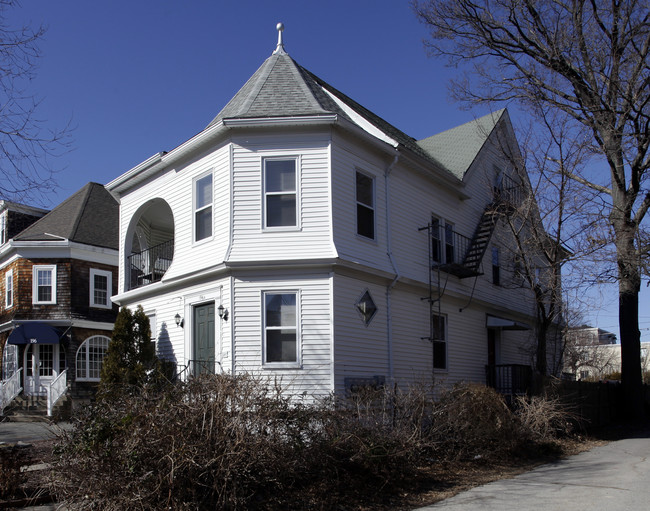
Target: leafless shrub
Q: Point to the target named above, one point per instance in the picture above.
(471, 421)
(543, 418)
(239, 442)
(12, 461)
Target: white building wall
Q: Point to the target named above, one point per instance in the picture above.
(175, 187)
(312, 238)
(314, 372)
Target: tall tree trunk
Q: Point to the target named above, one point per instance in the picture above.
(630, 336)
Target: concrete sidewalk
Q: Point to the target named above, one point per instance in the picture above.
(28, 432)
(612, 477)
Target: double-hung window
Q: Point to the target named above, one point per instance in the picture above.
(365, 195)
(203, 207)
(9, 289)
(280, 328)
(100, 288)
(439, 341)
(443, 243)
(280, 192)
(44, 284)
(496, 267)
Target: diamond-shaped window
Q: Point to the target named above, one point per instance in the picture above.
(366, 307)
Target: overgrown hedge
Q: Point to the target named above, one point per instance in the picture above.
(223, 442)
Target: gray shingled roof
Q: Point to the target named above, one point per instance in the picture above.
(90, 216)
(457, 148)
(282, 88)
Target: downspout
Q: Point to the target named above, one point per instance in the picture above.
(389, 252)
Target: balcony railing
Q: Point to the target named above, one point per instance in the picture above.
(150, 265)
(509, 192)
(449, 251)
(509, 379)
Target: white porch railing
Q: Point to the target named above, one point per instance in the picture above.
(55, 390)
(9, 389)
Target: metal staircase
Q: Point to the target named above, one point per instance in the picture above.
(480, 241)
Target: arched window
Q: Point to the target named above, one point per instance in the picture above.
(90, 356)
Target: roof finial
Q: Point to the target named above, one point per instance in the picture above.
(279, 50)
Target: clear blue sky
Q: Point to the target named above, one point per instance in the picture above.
(142, 76)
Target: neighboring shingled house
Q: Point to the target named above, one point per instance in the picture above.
(302, 237)
(56, 315)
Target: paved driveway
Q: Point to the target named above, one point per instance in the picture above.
(12, 432)
(612, 477)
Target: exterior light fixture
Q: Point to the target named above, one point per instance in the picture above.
(223, 312)
(179, 320)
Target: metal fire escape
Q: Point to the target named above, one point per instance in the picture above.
(452, 253)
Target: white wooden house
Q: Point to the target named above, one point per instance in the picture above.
(302, 237)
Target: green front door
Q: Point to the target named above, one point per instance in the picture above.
(204, 358)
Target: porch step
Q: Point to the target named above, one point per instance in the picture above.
(34, 408)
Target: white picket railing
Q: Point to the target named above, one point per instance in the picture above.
(55, 390)
(9, 389)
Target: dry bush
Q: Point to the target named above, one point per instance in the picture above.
(471, 421)
(222, 442)
(12, 461)
(239, 442)
(542, 418)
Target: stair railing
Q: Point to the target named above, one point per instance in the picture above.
(9, 389)
(55, 390)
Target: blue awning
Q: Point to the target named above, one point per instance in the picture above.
(35, 333)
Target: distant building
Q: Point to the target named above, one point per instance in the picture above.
(592, 354)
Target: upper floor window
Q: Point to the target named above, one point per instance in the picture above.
(280, 328)
(439, 341)
(100, 288)
(44, 284)
(443, 244)
(3, 228)
(9, 289)
(280, 193)
(365, 196)
(203, 207)
(496, 267)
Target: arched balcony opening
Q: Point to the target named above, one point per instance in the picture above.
(149, 244)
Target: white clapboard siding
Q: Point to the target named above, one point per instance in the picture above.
(360, 350)
(347, 159)
(314, 309)
(175, 342)
(312, 238)
(175, 187)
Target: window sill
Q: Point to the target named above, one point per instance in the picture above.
(270, 366)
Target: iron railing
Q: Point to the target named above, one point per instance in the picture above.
(509, 379)
(150, 265)
(509, 191)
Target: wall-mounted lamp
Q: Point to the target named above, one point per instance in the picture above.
(179, 321)
(223, 312)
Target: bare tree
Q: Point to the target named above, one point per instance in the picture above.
(542, 228)
(588, 59)
(26, 146)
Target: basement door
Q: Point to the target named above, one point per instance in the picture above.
(203, 339)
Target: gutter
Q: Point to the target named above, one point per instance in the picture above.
(389, 250)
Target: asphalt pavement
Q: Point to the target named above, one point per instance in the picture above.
(612, 477)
